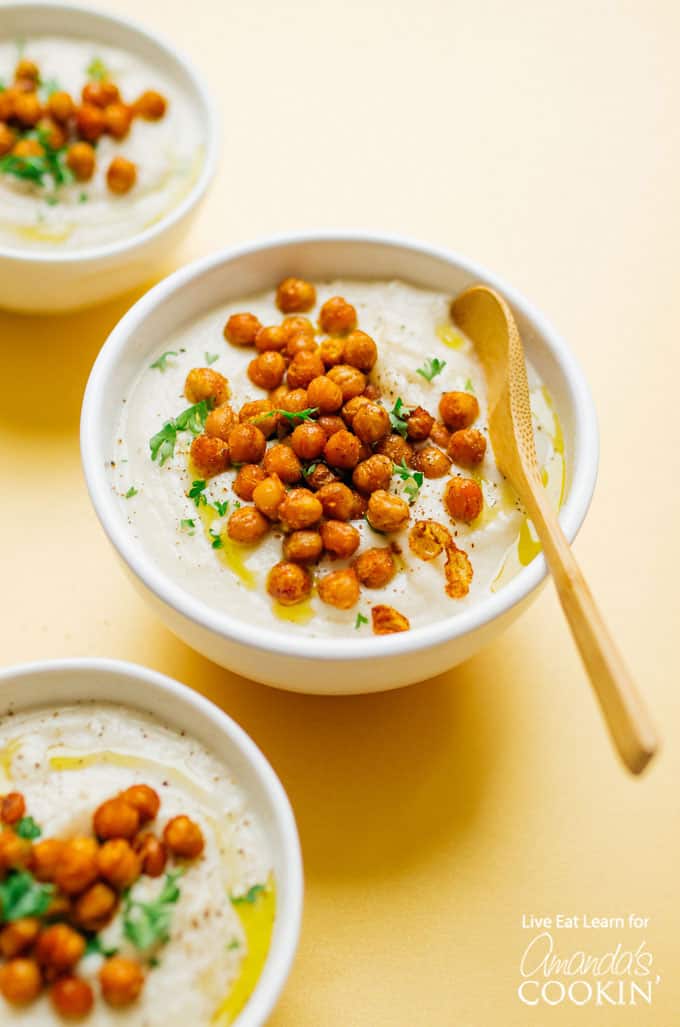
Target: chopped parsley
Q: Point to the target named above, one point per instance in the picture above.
(188, 525)
(27, 828)
(97, 71)
(359, 621)
(197, 493)
(82, 198)
(162, 362)
(299, 415)
(250, 896)
(398, 417)
(162, 444)
(431, 368)
(210, 358)
(94, 947)
(233, 945)
(21, 895)
(132, 491)
(469, 386)
(413, 479)
(310, 468)
(146, 924)
(221, 506)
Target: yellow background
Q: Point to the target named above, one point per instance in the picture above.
(543, 140)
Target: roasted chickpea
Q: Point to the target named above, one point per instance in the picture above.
(76, 868)
(183, 837)
(152, 854)
(342, 450)
(336, 500)
(333, 351)
(72, 997)
(95, 907)
(267, 370)
(432, 462)
(28, 148)
(121, 981)
(440, 434)
(340, 539)
(241, 329)
(246, 444)
(371, 423)
(260, 412)
(386, 620)
(284, 462)
(359, 506)
(387, 512)
(12, 808)
(26, 68)
(59, 947)
(220, 421)
(397, 449)
(319, 476)
(331, 424)
(100, 94)
(324, 394)
(308, 440)
(46, 857)
(209, 455)
(116, 818)
(360, 351)
(301, 343)
(297, 326)
(27, 109)
(467, 447)
(15, 852)
(20, 981)
(118, 118)
(373, 474)
(247, 525)
(118, 863)
(351, 381)
(463, 499)
(121, 175)
(339, 588)
(268, 496)
(61, 106)
(271, 337)
(53, 133)
(375, 567)
(300, 509)
(295, 294)
(18, 936)
(419, 424)
(247, 478)
(90, 122)
(144, 799)
(458, 409)
(151, 105)
(337, 316)
(303, 369)
(81, 160)
(7, 104)
(289, 583)
(7, 138)
(352, 408)
(294, 401)
(303, 546)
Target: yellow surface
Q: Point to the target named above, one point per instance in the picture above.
(543, 140)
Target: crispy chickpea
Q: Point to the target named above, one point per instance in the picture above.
(26, 68)
(90, 122)
(20, 981)
(373, 474)
(360, 350)
(330, 424)
(46, 857)
(76, 868)
(281, 460)
(247, 525)
(241, 329)
(59, 947)
(333, 351)
(61, 106)
(295, 401)
(209, 455)
(267, 370)
(28, 148)
(15, 852)
(387, 512)
(183, 837)
(220, 421)
(432, 462)
(289, 583)
(246, 444)
(297, 326)
(295, 295)
(440, 434)
(13, 808)
(340, 539)
(324, 394)
(458, 409)
(121, 981)
(53, 133)
(144, 799)
(303, 546)
(375, 567)
(351, 381)
(301, 343)
(7, 138)
(121, 175)
(247, 478)
(386, 620)
(81, 160)
(116, 818)
(336, 500)
(352, 408)
(339, 588)
(300, 509)
(152, 854)
(72, 997)
(359, 505)
(95, 907)
(271, 337)
(7, 104)
(463, 499)
(268, 496)
(467, 447)
(118, 863)
(118, 118)
(308, 440)
(18, 936)
(342, 450)
(319, 476)
(419, 424)
(337, 316)
(100, 94)
(371, 423)
(151, 105)
(260, 413)
(27, 109)
(397, 449)
(303, 369)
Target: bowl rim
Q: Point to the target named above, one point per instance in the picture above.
(283, 949)
(212, 139)
(229, 628)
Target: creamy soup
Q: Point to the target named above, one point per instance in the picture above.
(201, 965)
(421, 356)
(70, 212)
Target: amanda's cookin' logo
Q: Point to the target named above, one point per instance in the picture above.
(553, 975)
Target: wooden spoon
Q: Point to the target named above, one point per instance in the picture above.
(486, 319)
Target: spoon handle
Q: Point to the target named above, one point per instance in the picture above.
(624, 711)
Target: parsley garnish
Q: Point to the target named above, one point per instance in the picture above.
(82, 198)
(146, 924)
(188, 525)
(162, 444)
(196, 493)
(162, 362)
(27, 828)
(359, 621)
(97, 70)
(250, 896)
(210, 358)
(413, 479)
(300, 415)
(431, 368)
(309, 468)
(398, 416)
(217, 542)
(95, 947)
(469, 387)
(21, 895)
(233, 944)
(132, 491)
(221, 506)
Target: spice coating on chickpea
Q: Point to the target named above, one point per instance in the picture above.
(247, 525)
(397, 449)
(18, 936)
(351, 381)
(248, 477)
(386, 620)
(458, 409)
(101, 94)
(373, 474)
(46, 856)
(28, 148)
(90, 122)
(371, 423)
(295, 295)
(463, 499)
(242, 329)
(303, 369)
(121, 981)
(267, 370)
(360, 351)
(440, 434)
(12, 808)
(76, 867)
(324, 394)
(209, 455)
(118, 118)
(337, 316)
(15, 852)
(20, 981)
(115, 818)
(220, 421)
(61, 106)
(308, 440)
(333, 351)
(72, 997)
(342, 450)
(246, 444)
(59, 947)
(183, 837)
(203, 383)
(271, 337)
(336, 500)
(151, 105)
(27, 109)
(303, 546)
(339, 589)
(419, 424)
(284, 462)
(121, 175)
(331, 424)
(268, 496)
(340, 538)
(152, 854)
(318, 475)
(118, 863)
(467, 447)
(300, 509)
(387, 512)
(375, 567)
(81, 160)
(289, 583)
(95, 907)
(432, 462)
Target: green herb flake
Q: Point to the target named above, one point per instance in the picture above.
(309, 469)
(94, 947)
(210, 358)
(413, 479)
(27, 828)
(300, 415)
(359, 621)
(233, 945)
(431, 368)
(21, 895)
(217, 542)
(82, 198)
(146, 924)
(162, 363)
(398, 417)
(97, 70)
(221, 506)
(250, 896)
(188, 525)
(196, 493)
(132, 491)
(162, 444)
(469, 385)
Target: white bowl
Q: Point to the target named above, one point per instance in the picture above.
(61, 682)
(35, 282)
(315, 664)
